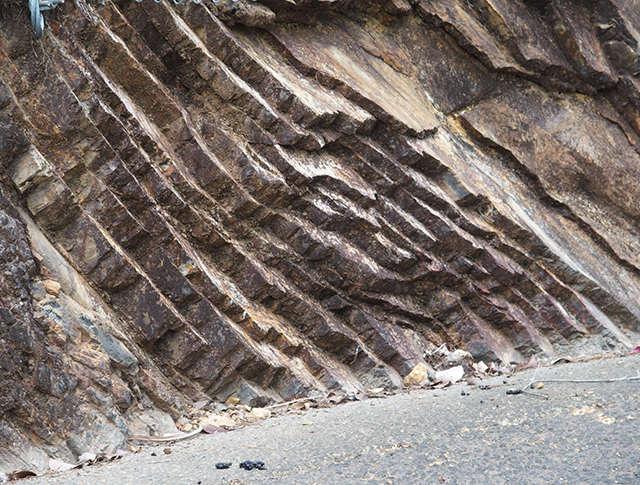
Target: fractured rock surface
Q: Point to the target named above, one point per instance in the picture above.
(263, 200)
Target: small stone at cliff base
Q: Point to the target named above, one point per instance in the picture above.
(420, 373)
(232, 401)
(250, 465)
(223, 466)
(52, 287)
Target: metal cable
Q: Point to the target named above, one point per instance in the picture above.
(37, 20)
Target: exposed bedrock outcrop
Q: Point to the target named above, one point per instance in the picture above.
(269, 199)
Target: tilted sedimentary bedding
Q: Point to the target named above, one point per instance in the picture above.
(271, 199)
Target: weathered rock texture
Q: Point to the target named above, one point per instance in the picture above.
(273, 199)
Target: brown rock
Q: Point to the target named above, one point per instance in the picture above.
(420, 373)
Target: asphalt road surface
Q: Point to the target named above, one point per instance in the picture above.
(584, 433)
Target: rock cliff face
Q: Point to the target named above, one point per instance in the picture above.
(268, 199)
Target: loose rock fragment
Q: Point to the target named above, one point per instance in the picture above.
(250, 465)
(419, 374)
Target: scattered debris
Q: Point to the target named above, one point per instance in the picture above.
(306, 422)
(223, 465)
(60, 466)
(303, 399)
(232, 401)
(250, 465)
(473, 381)
(334, 398)
(167, 438)
(211, 429)
(220, 421)
(457, 357)
(524, 390)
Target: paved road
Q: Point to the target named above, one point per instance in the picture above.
(583, 434)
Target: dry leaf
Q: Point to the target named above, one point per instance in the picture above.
(17, 475)
(377, 390)
(533, 362)
(450, 376)
(60, 466)
(306, 422)
(211, 429)
(561, 360)
(85, 457)
(335, 399)
(473, 381)
(134, 449)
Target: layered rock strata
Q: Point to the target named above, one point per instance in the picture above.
(271, 199)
